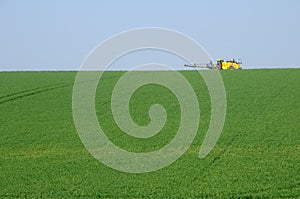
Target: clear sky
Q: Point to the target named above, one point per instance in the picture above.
(59, 34)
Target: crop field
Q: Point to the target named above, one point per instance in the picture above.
(257, 155)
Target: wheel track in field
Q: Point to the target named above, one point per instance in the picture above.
(236, 137)
(252, 193)
(30, 92)
(19, 92)
(37, 90)
(219, 157)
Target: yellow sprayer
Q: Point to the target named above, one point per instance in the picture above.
(221, 65)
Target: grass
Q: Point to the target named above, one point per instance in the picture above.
(257, 155)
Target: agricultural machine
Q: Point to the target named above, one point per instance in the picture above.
(221, 65)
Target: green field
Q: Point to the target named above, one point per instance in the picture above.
(257, 155)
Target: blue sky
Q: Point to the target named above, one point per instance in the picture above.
(58, 35)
